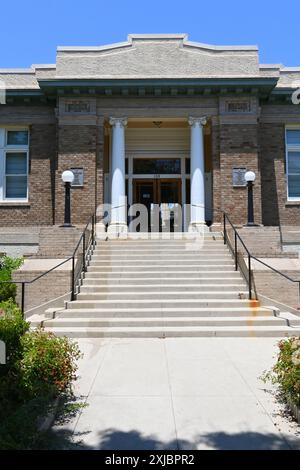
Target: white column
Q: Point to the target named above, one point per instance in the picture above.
(197, 174)
(118, 221)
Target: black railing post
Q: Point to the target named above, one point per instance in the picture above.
(249, 276)
(224, 228)
(73, 278)
(93, 230)
(235, 251)
(83, 253)
(23, 299)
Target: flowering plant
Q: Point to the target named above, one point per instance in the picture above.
(286, 372)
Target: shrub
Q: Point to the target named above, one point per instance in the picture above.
(286, 372)
(12, 327)
(48, 364)
(7, 267)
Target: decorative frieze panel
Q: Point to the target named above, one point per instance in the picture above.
(242, 106)
(77, 106)
(238, 105)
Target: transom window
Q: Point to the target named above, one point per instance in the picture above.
(167, 166)
(14, 147)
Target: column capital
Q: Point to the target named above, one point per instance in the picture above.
(121, 121)
(197, 120)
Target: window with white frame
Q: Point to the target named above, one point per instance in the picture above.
(14, 148)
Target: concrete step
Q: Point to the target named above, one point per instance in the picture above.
(175, 269)
(152, 312)
(91, 279)
(165, 238)
(172, 331)
(187, 246)
(169, 260)
(162, 295)
(129, 322)
(162, 256)
(142, 275)
(155, 289)
(160, 250)
(171, 303)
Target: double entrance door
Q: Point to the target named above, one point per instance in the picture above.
(163, 195)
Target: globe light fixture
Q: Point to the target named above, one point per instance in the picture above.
(250, 176)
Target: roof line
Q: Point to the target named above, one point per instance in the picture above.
(29, 71)
(162, 37)
(290, 69)
(43, 66)
(270, 66)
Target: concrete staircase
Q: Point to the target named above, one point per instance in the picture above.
(167, 287)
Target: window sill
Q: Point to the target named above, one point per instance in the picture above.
(14, 204)
(293, 203)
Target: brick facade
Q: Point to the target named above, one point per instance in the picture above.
(77, 148)
(42, 156)
(275, 207)
(59, 143)
(238, 148)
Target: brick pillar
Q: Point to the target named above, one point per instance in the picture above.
(77, 148)
(239, 149)
(216, 175)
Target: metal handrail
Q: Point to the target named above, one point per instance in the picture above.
(86, 248)
(249, 254)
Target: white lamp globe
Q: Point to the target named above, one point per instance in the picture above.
(250, 176)
(67, 176)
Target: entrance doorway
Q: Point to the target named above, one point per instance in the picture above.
(165, 193)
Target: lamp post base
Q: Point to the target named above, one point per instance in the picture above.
(67, 226)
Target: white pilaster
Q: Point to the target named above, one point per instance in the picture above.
(197, 221)
(118, 223)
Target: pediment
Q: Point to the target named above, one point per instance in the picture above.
(157, 56)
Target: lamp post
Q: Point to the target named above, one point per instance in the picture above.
(250, 178)
(68, 178)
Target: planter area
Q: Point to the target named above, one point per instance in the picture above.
(286, 374)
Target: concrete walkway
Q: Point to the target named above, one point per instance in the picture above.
(202, 393)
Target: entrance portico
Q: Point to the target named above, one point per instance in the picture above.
(164, 166)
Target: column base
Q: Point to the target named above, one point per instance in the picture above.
(101, 230)
(198, 227)
(117, 230)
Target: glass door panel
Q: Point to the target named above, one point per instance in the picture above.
(170, 204)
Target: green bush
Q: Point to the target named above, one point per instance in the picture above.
(7, 267)
(12, 328)
(286, 372)
(40, 367)
(48, 364)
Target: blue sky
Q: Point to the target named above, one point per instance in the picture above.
(30, 30)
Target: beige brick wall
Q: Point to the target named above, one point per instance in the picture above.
(78, 142)
(42, 153)
(276, 287)
(238, 148)
(49, 287)
(56, 242)
(275, 208)
(77, 148)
